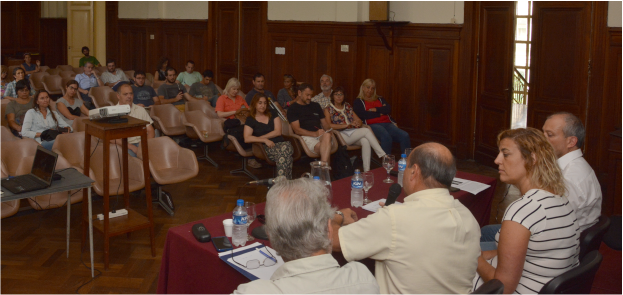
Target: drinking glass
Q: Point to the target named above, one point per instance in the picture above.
(388, 163)
(251, 214)
(368, 182)
(408, 152)
(205, 133)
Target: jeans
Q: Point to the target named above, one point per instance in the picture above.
(213, 100)
(130, 152)
(47, 144)
(387, 132)
(487, 236)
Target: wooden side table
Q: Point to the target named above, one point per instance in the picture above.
(134, 220)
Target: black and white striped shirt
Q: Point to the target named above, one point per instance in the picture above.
(554, 244)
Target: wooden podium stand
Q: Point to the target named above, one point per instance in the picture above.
(134, 220)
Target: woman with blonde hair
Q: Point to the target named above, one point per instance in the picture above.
(539, 238)
(374, 111)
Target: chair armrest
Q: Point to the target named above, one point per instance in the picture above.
(260, 153)
(295, 146)
(157, 122)
(188, 160)
(338, 136)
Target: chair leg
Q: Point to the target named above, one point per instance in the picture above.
(244, 170)
(165, 201)
(206, 157)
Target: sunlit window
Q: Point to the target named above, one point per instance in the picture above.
(521, 69)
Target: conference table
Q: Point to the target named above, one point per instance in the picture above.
(191, 267)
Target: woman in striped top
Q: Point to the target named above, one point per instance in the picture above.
(539, 238)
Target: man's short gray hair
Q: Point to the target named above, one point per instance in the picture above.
(88, 63)
(325, 75)
(297, 215)
(573, 127)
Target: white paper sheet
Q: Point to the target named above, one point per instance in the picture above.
(375, 206)
(469, 186)
(263, 272)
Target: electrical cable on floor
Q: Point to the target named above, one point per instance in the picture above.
(92, 279)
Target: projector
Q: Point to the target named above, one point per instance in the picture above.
(110, 111)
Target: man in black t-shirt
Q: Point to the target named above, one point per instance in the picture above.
(307, 120)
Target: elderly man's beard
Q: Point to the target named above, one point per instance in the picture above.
(326, 88)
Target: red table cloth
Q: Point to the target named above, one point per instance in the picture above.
(191, 267)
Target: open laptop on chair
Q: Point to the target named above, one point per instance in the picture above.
(40, 176)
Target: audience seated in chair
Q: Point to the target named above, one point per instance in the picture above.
(87, 58)
(17, 108)
(258, 87)
(189, 77)
(343, 120)
(324, 97)
(173, 93)
(70, 106)
(126, 97)
(40, 121)
(264, 126)
(4, 80)
(205, 89)
(374, 110)
(300, 223)
(287, 95)
(144, 95)
(11, 87)
(308, 121)
(30, 68)
(538, 226)
(161, 69)
(114, 77)
(85, 81)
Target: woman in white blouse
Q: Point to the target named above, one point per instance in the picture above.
(539, 238)
(40, 118)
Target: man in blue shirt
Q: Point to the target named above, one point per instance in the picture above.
(144, 96)
(85, 81)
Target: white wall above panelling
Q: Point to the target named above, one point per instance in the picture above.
(614, 13)
(427, 12)
(53, 9)
(163, 9)
(334, 11)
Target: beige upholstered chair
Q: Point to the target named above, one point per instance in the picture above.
(199, 105)
(135, 171)
(112, 98)
(9, 208)
(168, 119)
(235, 146)
(54, 71)
(44, 68)
(156, 85)
(149, 79)
(71, 147)
(99, 96)
(36, 80)
(287, 130)
(66, 74)
(4, 121)
(79, 70)
(7, 135)
(65, 67)
(78, 124)
(169, 163)
(195, 123)
(14, 152)
(52, 84)
(58, 199)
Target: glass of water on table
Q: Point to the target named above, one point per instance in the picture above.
(251, 214)
(368, 182)
(388, 163)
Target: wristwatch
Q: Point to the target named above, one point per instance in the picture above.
(341, 214)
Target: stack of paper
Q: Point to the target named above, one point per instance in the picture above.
(250, 252)
(469, 186)
(375, 206)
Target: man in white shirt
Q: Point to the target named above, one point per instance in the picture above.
(114, 77)
(126, 96)
(566, 134)
(299, 224)
(323, 98)
(429, 244)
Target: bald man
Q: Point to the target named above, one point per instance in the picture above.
(429, 244)
(125, 95)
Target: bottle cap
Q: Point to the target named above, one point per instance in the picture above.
(357, 171)
(316, 177)
(240, 202)
(404, 155)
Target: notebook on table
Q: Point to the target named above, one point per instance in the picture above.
(40, 175)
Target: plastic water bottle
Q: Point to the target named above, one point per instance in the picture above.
(402, 165)
(356, 193)
(239, 234)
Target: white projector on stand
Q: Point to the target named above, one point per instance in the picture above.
(110, 114)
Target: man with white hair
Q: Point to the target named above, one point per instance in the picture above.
(300, 223)
(323, 98)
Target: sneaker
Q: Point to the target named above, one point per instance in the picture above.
(253, 164)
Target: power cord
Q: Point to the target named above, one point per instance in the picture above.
(99, 273)
(114, 210)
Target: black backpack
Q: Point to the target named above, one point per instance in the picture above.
(342, 167)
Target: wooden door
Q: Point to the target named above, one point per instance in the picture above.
(227, 40)
(79, 30)
(250, 42)
(560, 60)
(495, 73)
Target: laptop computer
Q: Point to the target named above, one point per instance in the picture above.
(40, 176)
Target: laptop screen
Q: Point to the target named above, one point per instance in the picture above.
(44, 164)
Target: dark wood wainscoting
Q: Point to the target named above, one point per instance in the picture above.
(179, 40)
(20, 26)
(54, 41)
(420, 78)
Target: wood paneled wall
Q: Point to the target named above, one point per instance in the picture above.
(420, 78)
(54, 41)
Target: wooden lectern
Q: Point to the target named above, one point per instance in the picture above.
(134, 220)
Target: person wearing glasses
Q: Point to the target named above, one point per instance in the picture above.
(70, 106)
(300, 223)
